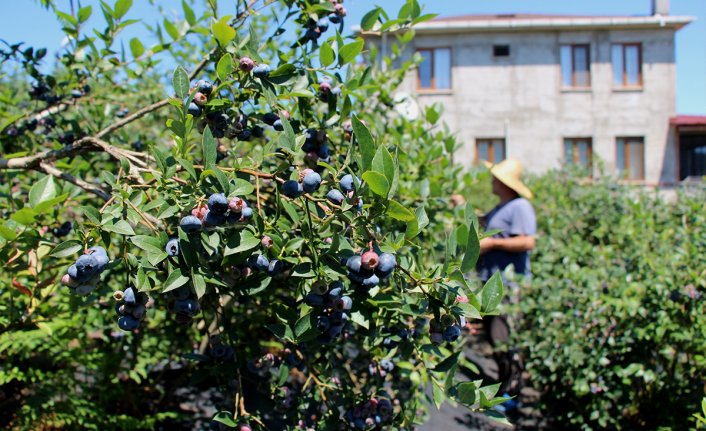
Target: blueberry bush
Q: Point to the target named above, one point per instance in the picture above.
(229, 228)
(619, 280)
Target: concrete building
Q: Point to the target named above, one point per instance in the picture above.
(549, 90)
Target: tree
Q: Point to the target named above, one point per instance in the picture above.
(264, 239)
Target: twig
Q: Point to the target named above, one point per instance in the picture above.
(51, 170)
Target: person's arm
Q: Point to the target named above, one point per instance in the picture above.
(513, 244)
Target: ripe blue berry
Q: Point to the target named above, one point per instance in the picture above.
(278, 126)
(371, 281)
(346, 183)
(270, 118)
(190, 224)
(259, 262)
(275, 267)
(194, 109)
(186, 306)
(100, 255)
(292, 189)
(344, 303)
(173, 247)
(128, 323)
(213, 219)
(311, 182)
(129, 296)
(261, 71)
(354, 263)
(386, 264)
(324, 151)
(218, 203)
(314, 300)
(204, 87)
(387, 365)
(246, 213)
(451, 333)
(322, 24)
(335, 196)
(86, 267)
(334, 18)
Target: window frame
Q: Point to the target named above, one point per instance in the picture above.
(491, 149)
(626, 157)
(574, 141)
(433, 87)
(501, 46)
(573, 47)
(640, 78)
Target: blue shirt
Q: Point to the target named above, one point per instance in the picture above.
(512, 218)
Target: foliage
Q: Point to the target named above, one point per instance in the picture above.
(96, 143)
(614, 320)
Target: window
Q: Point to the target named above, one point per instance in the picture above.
(630, 158)
(575, 66)
(492, 150)
(435, 69)
(579, 152)
(501, 50)
(627, 64)
(692, 155)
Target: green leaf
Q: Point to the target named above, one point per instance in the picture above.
(422, 220)
(377, 183)
(225, 67)
(7, 233)
(492, 294)
(25, 216)
(175, 280)
(180, 82)
(42, 190)
(136, 47)
(399, 212)
(188, 13)
(369, 19)
(51, 203)
(226, 418)
(437, 394)
(466, 393)
(383, 162)
(326, 55)
(149, 244)
(365, 140)
(242, 187)
(239, 243)
(447, 363)
(199, 285)
(120, 227)
(349, 51)
(209, 147)
(67, 248)
(121, 8)
(223, 32)
(305, 324)
(358, 318)
(84, 13)
(171, 29)
(282, 74)
(472, 250)
(281, 331)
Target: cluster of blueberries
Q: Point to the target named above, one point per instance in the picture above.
(347, 185)
(445, 330)
(218, 211)
(309, 182)
(316, 148)
(370, 414)
(184, 304)
(333, 304)
(384, 367)
(368, 269)
(82, 276)
(259, 262)
(131, 307)
(316, 27)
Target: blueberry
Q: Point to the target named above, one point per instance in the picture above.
(86, 267)
(186, 306)
(344, 303)
(346, 183)
(369, 260)
(324, 151)
(451, 333)
(258, 132)
(270, 118)
(323, 323)
(73, 273)
(194, 109)
(322, 24)
(173, 247)
(335, 196)
(128, 323)
(213, 219)
(76, 94)
(204, 87)
(387, 365)
(64, 230)
(292, 189)
(354, 263)
(314, 300)
(335, 293)
(371, 281)
(386, 264)
(218, 203)
(334, 18)
(246, 64)
(311, 182)
(129, 296)
(261, 71)
(218, 351)
(100, 255)
(335, 330)
(190, 224)
(259, 262)
(278, 126)
(246, 213)
(338, 317)
(244, 135)
(275, 267)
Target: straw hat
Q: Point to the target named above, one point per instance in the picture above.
(508, 172)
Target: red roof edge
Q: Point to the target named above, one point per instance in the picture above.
(688, 120)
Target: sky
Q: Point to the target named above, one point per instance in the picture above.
(24, 20)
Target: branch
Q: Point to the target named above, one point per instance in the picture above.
(51, 170)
